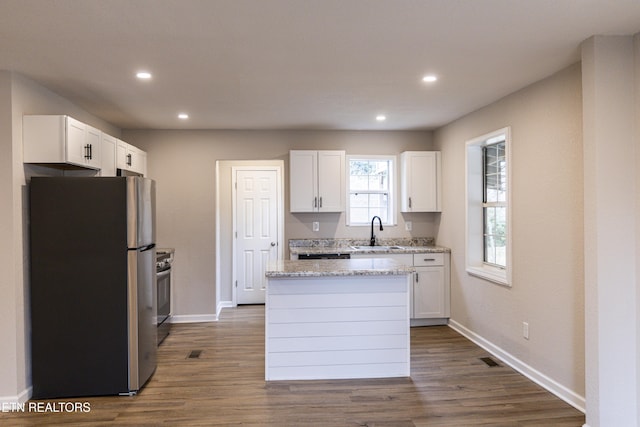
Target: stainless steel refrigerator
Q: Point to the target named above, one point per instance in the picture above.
(92, 285)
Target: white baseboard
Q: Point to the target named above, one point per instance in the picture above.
(22, 397)
(221, 305)
(534, 375)
(429, 322)
(193, 318)
(196, 318)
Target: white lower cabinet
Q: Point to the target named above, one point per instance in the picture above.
(430, 293)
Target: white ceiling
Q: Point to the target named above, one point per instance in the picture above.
(297, 64)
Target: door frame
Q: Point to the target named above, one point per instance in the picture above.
(280, 217)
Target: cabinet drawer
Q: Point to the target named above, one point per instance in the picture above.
(405, 259)
(427, 259)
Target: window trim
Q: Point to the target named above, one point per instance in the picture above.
(393, 189)
(474, 222)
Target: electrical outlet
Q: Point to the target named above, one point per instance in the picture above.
(525, 330)
(408, 225)
(316, 226)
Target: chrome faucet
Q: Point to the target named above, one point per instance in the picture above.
(372, 242)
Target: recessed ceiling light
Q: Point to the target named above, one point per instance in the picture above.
(143, 75)
(381, 117)
(183, 116)
(429, 78)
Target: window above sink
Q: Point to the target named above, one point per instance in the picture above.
(371, 189)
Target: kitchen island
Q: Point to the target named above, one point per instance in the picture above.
(330, 319)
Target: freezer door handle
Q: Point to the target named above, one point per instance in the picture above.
(148, 247)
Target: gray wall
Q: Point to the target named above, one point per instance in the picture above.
(183, 164)
(547, 234)
(547, 291)
(19, 96)
(611, 85)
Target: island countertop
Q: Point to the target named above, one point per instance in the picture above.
(337, 267)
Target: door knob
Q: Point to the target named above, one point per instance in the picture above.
(273, 243)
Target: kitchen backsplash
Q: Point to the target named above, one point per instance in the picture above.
(341, 243)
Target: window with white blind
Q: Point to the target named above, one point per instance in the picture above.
(370, 189)
(488, 207)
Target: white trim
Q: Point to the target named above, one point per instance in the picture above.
(19, 398)
(279, 170)
(193, 318)
(221, 305)
(218, 243)
(534, 375)
(492, 274)
(473, 209)
(393, 186)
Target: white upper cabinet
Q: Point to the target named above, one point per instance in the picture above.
(94, 145)
(303, 181)
(331, 184)
(142, 161)
(421, 182)
(130, 158)
(317, 181)
(61, 140)
(108, 155)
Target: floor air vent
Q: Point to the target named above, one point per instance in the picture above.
(489, 361)
(195, 354)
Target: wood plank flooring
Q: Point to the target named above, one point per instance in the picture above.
(449, 386)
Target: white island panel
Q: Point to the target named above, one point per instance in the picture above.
(337, 327)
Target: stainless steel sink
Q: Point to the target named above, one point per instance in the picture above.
(375, 248)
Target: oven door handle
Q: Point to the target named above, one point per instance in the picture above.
(163, 273)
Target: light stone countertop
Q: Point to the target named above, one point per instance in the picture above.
(337, 267)
(365, 250)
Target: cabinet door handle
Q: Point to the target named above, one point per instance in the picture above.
(86, 152)
(90, 151)
(417, 279)
(429, 259)
(129, 160)
(315, 202)
(320, 201)
(409, 201)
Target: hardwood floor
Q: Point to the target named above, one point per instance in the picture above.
(224, 386)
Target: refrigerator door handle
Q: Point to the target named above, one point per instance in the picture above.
(148, 247)
(162, 274)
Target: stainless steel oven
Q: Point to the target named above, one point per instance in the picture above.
(163, 279)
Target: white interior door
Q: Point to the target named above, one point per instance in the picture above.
(257, 232)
